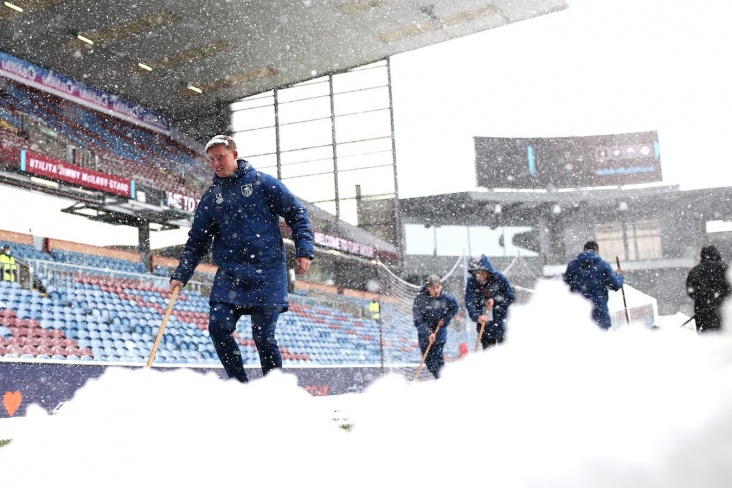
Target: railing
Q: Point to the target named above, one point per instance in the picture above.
(317, 297)
(11, 270)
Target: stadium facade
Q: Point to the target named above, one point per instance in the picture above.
(656, 233)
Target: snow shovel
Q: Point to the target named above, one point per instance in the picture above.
(173, 298)
(482, 329)
(427, 351)
(622, 290)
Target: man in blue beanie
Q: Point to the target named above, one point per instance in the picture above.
(589, 275)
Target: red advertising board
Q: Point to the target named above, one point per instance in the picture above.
(40, 165)
(343, 245)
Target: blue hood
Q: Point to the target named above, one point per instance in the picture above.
(483, 263)
(496, 287)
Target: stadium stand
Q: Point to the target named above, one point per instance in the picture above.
(102, 308)
(30, 118)
(97, 304)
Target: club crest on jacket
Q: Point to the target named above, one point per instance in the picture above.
(247, 190)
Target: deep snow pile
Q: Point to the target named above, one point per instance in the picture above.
(561, 403)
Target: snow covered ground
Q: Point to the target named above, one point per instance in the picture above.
(561, 403)
(677, 320)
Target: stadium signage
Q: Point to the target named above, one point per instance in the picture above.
(181, 202)
(44, 166)
(59, 85)
(344, 245)
(568, 162)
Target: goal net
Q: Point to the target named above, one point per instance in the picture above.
(400, 350)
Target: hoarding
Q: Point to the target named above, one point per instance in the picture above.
(38, 164)
(568, 162)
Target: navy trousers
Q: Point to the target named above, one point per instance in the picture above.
(488, 339)
(436, 358)
(221, 326)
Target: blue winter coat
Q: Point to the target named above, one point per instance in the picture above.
(428, 311)
(239, 215)
(499, 289)
(590, 275)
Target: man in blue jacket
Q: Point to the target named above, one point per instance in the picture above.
(589, 275)
(488, 294)
(433, 310)
(239, 215)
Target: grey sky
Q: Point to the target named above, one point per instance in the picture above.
(601, 66)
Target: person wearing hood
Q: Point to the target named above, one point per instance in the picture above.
(433, 310)
(708, 286)
(239, 218)
(488, 294)
(589, 275)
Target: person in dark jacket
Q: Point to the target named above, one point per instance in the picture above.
(488, 294)
(239, 215)
(432, 308)
(708, 286)
(589, 275)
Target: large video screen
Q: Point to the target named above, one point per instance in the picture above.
(568, 162)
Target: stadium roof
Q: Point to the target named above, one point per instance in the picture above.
(523, 207)
(230, 49)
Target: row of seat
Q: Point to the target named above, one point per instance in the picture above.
(25, 252)
(95, 261)
(311, 333)
(151, 157)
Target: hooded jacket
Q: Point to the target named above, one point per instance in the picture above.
(499, 289)
(707, 282)
(239, 216)
(589, 275)
(428, 311)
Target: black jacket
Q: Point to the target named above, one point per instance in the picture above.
(707, 282)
